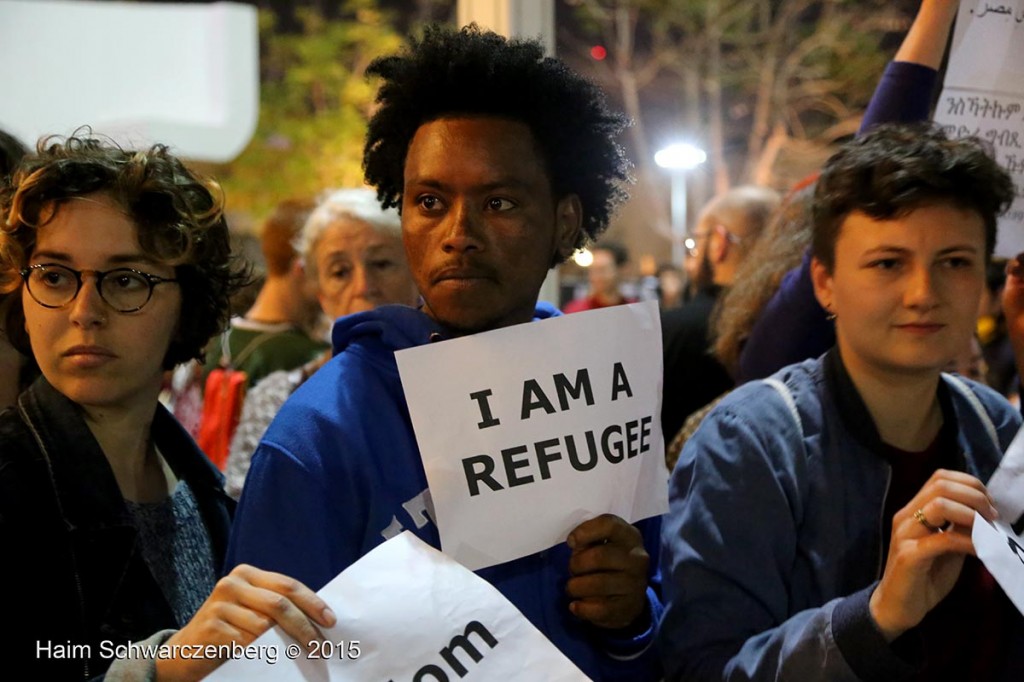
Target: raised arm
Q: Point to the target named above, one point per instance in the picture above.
(925, 42)
(904, 92)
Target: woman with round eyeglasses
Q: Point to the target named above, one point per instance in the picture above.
(112, 522)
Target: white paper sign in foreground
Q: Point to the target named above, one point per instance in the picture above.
(1001, 546)
(413, 615)
(1002, 552)
(526, 432)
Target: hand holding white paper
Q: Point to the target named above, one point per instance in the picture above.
(527, 431)
(411, 611)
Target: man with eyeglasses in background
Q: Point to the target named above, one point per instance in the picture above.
(726, 230)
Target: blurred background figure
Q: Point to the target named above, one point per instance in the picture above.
(759, 276)
(275, 332)
(671, 286)
(696, 268)
(353, 260)
(605, 278)
(993, 335)
(728, 228)
(13, 365)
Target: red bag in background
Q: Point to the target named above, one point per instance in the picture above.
(223, 398)
(222, 407)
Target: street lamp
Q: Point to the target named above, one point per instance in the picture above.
(679, 158)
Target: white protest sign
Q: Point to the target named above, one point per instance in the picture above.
(1002, 552)
(526, 432)
(1001, 546)
(1006, 485)
(407, 613)
(983, 95)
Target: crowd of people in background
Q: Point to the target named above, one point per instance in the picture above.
(840, 359)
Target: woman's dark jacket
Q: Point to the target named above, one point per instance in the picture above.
(71, 568)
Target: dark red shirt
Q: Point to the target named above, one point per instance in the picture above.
(964, 633)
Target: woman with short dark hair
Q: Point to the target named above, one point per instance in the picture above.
(820, 520)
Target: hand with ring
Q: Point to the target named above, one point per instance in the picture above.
(930, 538)
(919, 515)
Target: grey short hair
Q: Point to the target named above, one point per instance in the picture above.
(344, 204)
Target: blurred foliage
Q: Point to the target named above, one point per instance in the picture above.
(764, 84)
(314, 104)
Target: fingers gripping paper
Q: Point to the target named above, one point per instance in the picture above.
(526, 432)
(413, 615)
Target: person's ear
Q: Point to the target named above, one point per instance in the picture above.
(718, 244)
(568, 223)
(821, 278)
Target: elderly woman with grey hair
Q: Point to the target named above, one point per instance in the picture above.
(353, 256)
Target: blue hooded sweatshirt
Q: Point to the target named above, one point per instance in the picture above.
(339, 472)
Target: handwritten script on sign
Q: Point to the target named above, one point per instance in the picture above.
(526, 432)
(983, 95)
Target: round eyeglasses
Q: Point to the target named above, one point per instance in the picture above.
(123, 289)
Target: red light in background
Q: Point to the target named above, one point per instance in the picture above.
(598, 52)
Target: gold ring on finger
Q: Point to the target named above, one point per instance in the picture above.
(919, 515)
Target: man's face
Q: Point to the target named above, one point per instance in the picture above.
(603, 274)
(905, 291)
(480, 225)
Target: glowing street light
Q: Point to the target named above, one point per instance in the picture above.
(583, 258)
(677, 159)
(680, 156)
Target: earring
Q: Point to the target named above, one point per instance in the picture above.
(831, 315)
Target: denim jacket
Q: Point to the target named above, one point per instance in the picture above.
(72, 570)
(773, 542)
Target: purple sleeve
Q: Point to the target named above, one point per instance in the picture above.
(903, 95)
(791, 328)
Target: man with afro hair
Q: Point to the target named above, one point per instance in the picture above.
(502, 163)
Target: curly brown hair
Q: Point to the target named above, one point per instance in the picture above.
(179, 216)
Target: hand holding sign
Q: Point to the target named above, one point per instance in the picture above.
(413, 614)
(924, 562)
(609, 569)
(245, 604)
(538, 428)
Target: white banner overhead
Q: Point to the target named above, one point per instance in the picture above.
(407, 613)
(983, 95)
(526, 432)
(185, 75)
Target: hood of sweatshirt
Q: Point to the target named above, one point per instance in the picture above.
(395, 327)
